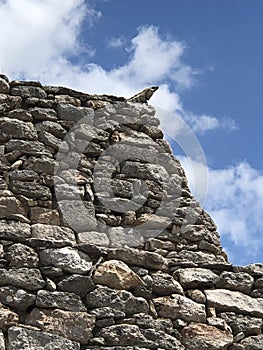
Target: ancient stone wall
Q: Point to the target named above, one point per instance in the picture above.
(102, 245)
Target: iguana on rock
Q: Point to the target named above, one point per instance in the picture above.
(144, 95)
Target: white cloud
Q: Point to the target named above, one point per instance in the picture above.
(41, 37)
(117, 42)
(235, 201)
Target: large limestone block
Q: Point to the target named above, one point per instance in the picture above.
(16, 231)
(20, 255)
(10, 206)
(17, 299)
(226, 300)
(117, 275)
(239, 281)
(202, 336)
(178, 306)
(21, 338)
(17, 129)
(76, 326)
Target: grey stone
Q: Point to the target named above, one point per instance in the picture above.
(17, 129)
(120, 300)
(107, 312)
(241, 323)
(16, 231)
(165, 284)
(49, 140)
(43, 114)
(7, 318)
(145, 171)
(226, 300)
(78, 284)
(2, 341)
(96, 238)
(59, 300)
(136, 257)
(30, 189)
(31, 148)
(24, 278)
(51, 127)
(63, 323)
(40, 165)
(53, 234)
(21, 114)
(10, 206)
(17, 299)
(120, 335)
(29, 91)
(19, 255)
(29, 339)
(253, 343)
(201, 336)
(239, 281)
(4, 86)
(178, 306)
(67, 258)
(196, 278)
(79, 215)
(70, 112)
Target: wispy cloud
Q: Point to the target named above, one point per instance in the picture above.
(235, 201)
(117, 42)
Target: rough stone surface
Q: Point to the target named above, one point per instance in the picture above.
(225, 300)
(115, 274)
(28, 339)
(178, 306)
(63, 323)
(102, 244)
(201, 336)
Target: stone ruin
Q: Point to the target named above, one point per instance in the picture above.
(102, 244)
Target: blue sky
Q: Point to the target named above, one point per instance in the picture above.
(206, 55)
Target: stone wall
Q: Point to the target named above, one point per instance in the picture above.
(102, 245)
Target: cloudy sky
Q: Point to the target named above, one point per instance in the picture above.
(205, 55)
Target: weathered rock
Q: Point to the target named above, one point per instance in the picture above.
(19, 255)
(17, 299)
(137, 257)
(67, 258)
(178, 306)
(29, 91)
(24, 278)
(4, 86)
(122, 335)
(241, 323)
(31, 148)
(59, 300)
(42, 165)
(85, 212)
(165, 284)
(117, 275)
(30, 189)
(225, 300)
(16, 231)
(239, 281)
(70, 112)
(10, 206)
(40, 215)
(49, 140)
(120, 300)
(20, 114)
(96, 238)
(2, 341)
(78, 284)
(201, 336)
(51, 127)
(196, 278)
(7, 318)
(29, 339)
(52, 234)
(107, 312)
(40, 114)
(17, 129)
(63, 323)
(253, 343)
